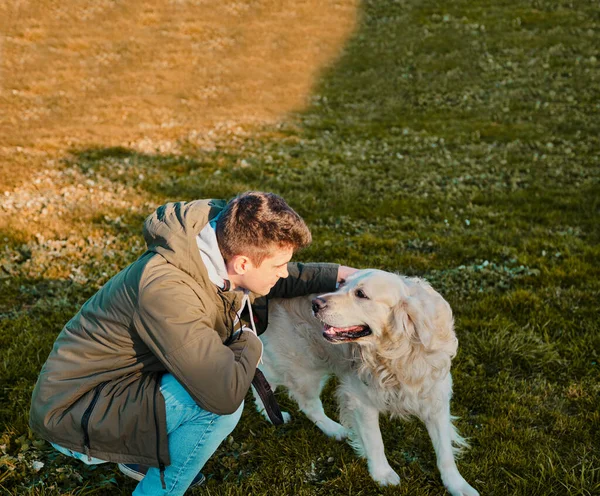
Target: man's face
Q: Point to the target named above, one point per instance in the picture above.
(262, 278)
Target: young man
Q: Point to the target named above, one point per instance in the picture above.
(152, 371)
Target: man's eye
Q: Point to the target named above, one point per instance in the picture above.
(359, 293)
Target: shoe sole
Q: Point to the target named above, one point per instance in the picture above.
(130, 473)
(198, 483)
(139, 476)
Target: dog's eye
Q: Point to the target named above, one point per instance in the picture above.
(359, 293)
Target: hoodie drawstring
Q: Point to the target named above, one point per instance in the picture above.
(246, 301)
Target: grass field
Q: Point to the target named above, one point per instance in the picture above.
(457, 141)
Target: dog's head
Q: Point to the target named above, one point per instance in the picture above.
(373, 306)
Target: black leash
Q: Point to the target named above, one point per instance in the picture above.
(263, 389)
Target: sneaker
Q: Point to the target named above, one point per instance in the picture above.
(138, 472)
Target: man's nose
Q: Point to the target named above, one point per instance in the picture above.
(318, 304)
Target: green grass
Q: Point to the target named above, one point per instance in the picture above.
(455, 141)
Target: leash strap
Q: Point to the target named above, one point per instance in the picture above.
(263, 389)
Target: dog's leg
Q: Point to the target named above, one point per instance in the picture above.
(260, 408)
(443, 434)
(362, 418)
(306, 390)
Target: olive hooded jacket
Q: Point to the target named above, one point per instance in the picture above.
(98, 392)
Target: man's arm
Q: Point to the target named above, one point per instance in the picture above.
(310, 278)
(174, 324)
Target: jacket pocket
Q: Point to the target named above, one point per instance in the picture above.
(85, 419)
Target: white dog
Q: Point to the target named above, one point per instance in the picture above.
(389, 339)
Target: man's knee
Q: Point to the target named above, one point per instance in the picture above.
(228, 422)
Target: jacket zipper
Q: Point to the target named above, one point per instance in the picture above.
(85, 419)
(161, 465)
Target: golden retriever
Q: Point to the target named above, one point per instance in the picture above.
(390, 340)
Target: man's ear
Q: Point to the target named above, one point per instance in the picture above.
(412, 319)
(240, 264)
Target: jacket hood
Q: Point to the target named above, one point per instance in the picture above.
(172, 229)
(211, 255)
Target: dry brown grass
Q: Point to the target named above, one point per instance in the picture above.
(146, 75)
(112, 72)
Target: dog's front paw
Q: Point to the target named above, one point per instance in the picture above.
(386, 477)
(461, 488)
(286, 417)
(340, 434)
(331, 428)
(334, 430)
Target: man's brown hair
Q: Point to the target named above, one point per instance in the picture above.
(254, 223)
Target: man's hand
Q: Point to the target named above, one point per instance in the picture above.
(344, 272)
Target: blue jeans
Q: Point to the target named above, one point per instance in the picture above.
(194, 435)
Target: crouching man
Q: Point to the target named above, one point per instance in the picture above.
(151, 373)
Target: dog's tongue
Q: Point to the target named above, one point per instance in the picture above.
(343, 329)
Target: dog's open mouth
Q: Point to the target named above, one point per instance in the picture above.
(337, 334)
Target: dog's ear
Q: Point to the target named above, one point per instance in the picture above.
(413, 320)
(421, 319)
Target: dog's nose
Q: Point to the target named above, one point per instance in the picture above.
(318, 304)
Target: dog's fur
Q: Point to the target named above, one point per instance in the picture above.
(402, 367)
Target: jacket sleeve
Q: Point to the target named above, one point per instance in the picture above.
(305, 279)
(175, 324)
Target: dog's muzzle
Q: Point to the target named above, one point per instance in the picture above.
(318, 304)
(342, 334)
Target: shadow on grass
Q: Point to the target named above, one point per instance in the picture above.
(33, 312)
